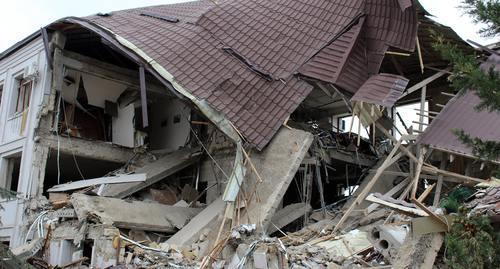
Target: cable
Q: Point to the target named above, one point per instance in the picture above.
(58, 140)
(71, 143)
(206, 150)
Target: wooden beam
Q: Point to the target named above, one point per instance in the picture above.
(144, 98)
(108, 71)
(426, 193)
(418, 170)
(390, 193)
(448, 94)
(388, 162)
(461, 178)
(424, 82)
(439, 186)
(397, 53)
(420, 57)
(427, 111)
(423, 95)
(437, 69)
(398, 207)
(430, 212)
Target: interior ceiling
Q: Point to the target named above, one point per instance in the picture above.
(87, 43)
(69, 171)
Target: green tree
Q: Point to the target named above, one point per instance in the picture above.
(467, 75)
(472, 242)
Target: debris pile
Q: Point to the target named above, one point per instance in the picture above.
(218, 153)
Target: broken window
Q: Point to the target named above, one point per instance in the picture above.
(23, 95)
(11, 168)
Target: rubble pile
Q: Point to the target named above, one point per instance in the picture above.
(239, 134)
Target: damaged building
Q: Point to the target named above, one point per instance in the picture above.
(236, 134)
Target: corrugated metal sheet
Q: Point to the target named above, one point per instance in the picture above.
(274, 38)
(459, 113)
(382, 89)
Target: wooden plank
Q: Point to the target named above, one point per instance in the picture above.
(426, 193)
(397, 207)
(430, 212)
(388, 161)
(439, 186)
(75, 185)
(420, 57)
(460, 178)
(417, 174)
(424, 82)
(390, 193)
(423, 96)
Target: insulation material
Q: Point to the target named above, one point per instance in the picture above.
(99, 90)
(69, 89)
(123, 126)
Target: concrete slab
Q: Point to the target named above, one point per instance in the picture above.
(206, 219)
(132, 214)
(277, 164)
(155, 171)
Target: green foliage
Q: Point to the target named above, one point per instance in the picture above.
(487, 12)
(467, 75)
(455, 199)
(486, 150)
(472, 243)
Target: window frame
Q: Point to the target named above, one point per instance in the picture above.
(23, 90)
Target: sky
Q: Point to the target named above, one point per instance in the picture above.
(20, 18)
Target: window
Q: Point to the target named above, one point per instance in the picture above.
(23, 95)
(346, 123)
(1, 93)
(410, 114)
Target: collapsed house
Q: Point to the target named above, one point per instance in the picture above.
(199, 134)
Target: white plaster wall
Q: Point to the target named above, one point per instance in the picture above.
(10, 67)
(165, 133)
(123, 126)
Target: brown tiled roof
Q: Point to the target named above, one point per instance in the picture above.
(243, 56)
(381, 89)
(460, 113)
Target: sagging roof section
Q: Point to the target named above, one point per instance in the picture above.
(381, 89)
(256, 86)
(461, 113)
